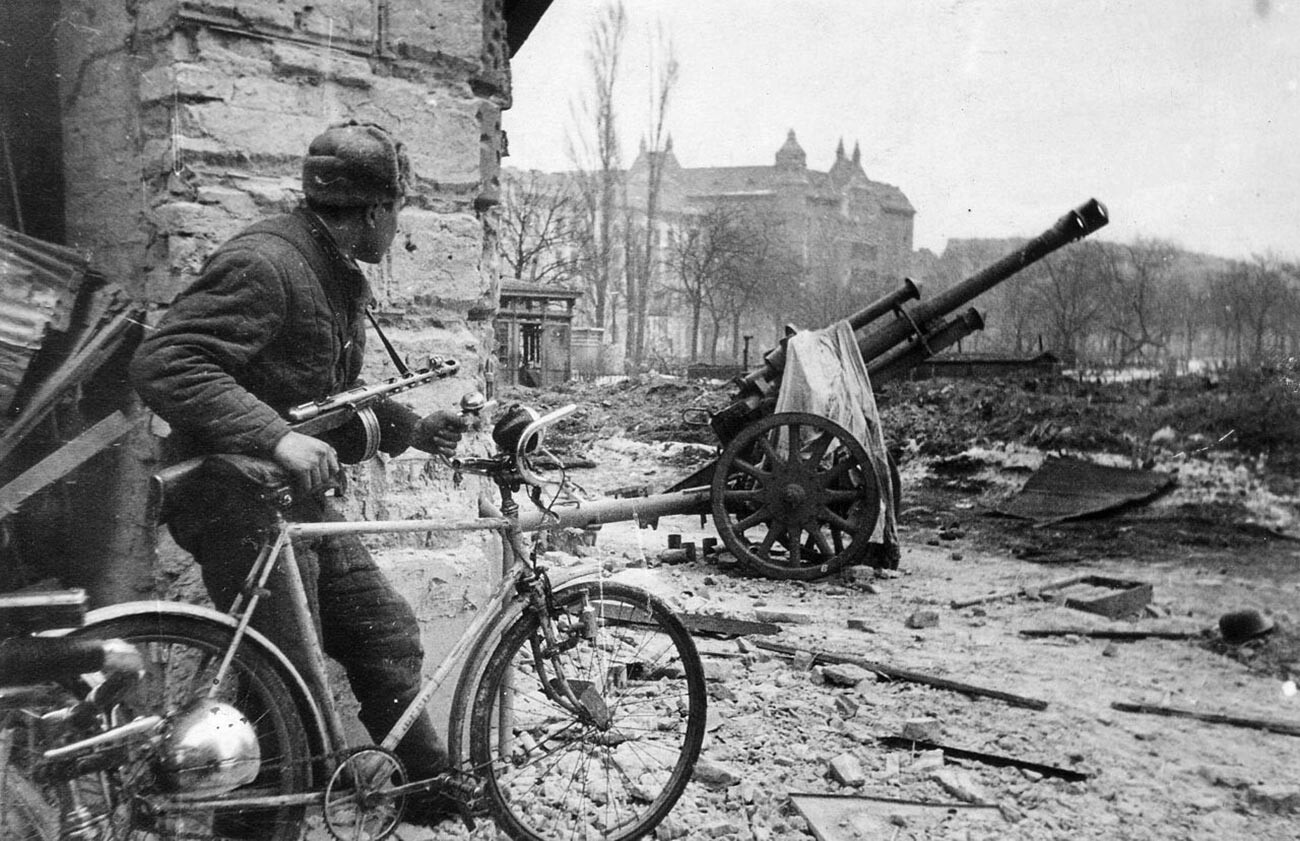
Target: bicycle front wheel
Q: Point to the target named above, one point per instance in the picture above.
(588, 721)
(182, 656)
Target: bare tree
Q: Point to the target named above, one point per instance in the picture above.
(537, 215)
(1071, 295)
(598, 180)
(643, 248)
(702, 253)
(1137, 315)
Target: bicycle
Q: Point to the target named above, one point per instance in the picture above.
(578, 711)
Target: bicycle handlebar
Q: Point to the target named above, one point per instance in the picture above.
(514, 458)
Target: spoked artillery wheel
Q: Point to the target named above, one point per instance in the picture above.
(794, 496)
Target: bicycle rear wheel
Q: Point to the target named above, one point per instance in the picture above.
(613, 764)
(182, 656)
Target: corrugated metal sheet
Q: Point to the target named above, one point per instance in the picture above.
(1069, 488)
(39, 282)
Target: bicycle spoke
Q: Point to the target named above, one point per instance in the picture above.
(622, 759)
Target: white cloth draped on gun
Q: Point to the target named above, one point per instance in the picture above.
(824, 375)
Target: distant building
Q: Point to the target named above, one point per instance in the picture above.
(852, 234)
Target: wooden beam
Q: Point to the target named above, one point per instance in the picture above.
(64, 460)
(896, 673)
(1288, 728)
(1109, 633)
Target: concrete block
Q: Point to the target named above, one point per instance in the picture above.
(715, 774)
(846, 770)
(421, 29)
(923, 619)
(922, 729)
(844, 674)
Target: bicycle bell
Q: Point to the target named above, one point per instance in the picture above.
(210, 748)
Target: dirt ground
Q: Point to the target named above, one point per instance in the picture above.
(1227, 537)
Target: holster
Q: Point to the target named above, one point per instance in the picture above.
(205, 481)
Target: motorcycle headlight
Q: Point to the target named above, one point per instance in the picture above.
(209, 748)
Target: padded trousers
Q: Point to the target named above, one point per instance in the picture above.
(362, 622)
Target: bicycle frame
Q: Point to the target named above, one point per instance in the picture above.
(495, 611)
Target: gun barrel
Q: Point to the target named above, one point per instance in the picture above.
(1078, 223)
(907, 356)
(908, 291)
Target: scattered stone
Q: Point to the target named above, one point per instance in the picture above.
(921, 729)
(718, 829)
(844, 674)
(1274, 799)
(1010, 812)
(1110, 650)
(671, 827)
(746, 792)
(847, 770)
(792, 617)
(1031, 775)
(846, 706)
(802, 661)
(923, 619)
(893, 767)
(860, 625)
(961, 784)
(1164, 435)
(927, 761)
(956, 556)
(715, 774)
(1226, 776)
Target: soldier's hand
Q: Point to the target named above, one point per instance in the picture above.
(310, 461)
(439, 433)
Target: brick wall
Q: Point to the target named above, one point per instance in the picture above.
(185, 121)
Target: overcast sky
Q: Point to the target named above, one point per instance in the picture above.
(993, 116)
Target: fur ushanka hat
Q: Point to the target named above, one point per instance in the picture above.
(355, 164)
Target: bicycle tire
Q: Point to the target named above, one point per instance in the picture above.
(615, 771)
(182, 654)
(25, 815)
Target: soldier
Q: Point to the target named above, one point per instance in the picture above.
(276, 319)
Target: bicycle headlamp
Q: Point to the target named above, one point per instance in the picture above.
(508, 430)
(210, 748)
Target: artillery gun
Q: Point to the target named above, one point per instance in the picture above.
(794, 494)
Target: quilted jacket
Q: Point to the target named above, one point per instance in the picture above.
(276, 318)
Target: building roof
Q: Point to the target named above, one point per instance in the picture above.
(523, 289)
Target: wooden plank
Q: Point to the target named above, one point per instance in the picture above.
(70, 373)
(1289, 728)
(63, 461)
(1022, 591)
(1109, 633)
(993, 759)
(895, 673)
